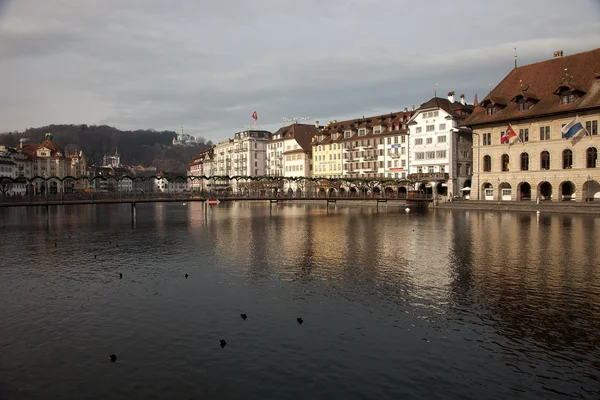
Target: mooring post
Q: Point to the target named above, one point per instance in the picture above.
(47, 213)
(270, 207)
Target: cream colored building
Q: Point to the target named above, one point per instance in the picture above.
(537, 100)
(327, 154)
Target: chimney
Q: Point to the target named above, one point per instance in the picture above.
(462, 99)
(451, 97)
(558, 53)
(317, 124)
(405, 109)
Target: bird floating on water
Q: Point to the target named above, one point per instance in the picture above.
(299, 320)
(120, 275)
(244, 316)
(186, 276)
(223, 343)
(113, 358)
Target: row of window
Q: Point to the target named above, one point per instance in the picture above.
(428, 155)
(440, 139)
(430, 128)
(524, 104)
(567, 160)
(590, 126)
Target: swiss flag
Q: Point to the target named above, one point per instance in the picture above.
(509, 134)
(254, 116)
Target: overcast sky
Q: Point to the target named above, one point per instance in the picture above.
(207, 65)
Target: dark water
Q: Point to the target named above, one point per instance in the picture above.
(436, 305)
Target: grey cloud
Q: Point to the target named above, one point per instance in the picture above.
(208, 65)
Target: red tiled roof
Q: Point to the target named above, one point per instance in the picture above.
(397, 118)
(303, 134)
(544, 81)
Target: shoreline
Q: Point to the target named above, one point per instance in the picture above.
(519, 206)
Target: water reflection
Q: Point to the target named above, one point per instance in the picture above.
(501, 302)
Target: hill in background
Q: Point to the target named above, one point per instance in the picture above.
(140, 147)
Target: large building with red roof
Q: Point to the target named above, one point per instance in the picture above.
(520, 149)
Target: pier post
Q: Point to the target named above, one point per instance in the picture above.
(47, 213)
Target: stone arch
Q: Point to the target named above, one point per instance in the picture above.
(504, 191)
(402, 192)
(544, 191)
(441, 188)
(487, 191)
(567, 190)
(591, 190)
(524, 191)
(425, 188)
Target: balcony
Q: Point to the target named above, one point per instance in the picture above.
(394, 155)
(349, 148)
(370, 158)
(428, 175)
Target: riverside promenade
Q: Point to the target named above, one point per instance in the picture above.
(565, 207)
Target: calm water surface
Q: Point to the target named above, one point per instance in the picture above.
(442, 304)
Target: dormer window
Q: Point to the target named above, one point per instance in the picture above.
(362, 132)
(567, 98)
(347, 134)
(523, 105)
(491, 110)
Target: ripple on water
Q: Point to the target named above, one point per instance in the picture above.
(394, 305)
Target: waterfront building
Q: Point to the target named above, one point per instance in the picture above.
(372, 148)
(274, 161)
(202, 165)
(327, 154)
(14, 165)
(50, 161)
(440, 151)
(297, 155)
(250, 152)
(223, 166)
(521, 152)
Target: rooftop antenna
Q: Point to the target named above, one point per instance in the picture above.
(515, 57)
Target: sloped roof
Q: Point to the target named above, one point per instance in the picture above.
(579, 72)
(384, 120)
(303, 134)
(453, 109)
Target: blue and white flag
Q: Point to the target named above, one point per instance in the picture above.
(572, 128)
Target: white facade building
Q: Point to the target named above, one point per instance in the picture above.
(297, 153)
(250, 153)
(438, 147)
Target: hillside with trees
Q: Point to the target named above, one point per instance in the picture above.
(140, 147)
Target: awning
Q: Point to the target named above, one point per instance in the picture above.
(466, 189)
